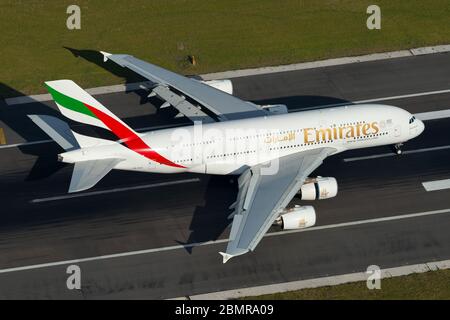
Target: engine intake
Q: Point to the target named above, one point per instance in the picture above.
(299, 217)
(318, 188)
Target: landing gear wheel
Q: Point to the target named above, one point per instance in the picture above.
(398, 148)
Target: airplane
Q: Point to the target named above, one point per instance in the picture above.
(272, 151)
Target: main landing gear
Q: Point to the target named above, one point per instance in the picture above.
(398, 148)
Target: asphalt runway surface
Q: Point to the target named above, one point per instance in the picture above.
(180, 227)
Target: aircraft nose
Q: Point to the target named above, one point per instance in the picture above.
(417, 129)
(421, 127)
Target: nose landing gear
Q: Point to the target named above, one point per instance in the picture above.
(398, 148)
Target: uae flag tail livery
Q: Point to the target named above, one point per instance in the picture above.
(91, 125)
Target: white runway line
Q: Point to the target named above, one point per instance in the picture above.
(327, 62)
(168, 126)
(436, 185)
(177, 247)
(24, 144)
(96, 193)
(433, 115)
(392, 154)
(404, 96)
(318, 282)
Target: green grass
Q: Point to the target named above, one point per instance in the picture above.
(420, 286)
(223, 35)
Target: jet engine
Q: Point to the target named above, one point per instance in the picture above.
(299, 217)
(222, 85)
(318, 188)
(274, 109)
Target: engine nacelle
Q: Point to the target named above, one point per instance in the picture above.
(222, 85)
(318, 188)
(275, 108)
(298, 218)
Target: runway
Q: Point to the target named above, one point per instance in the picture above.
(153, 216)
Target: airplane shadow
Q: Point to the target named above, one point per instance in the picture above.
(129, 76)
(15, 117)
(96, 58)
(210, 220)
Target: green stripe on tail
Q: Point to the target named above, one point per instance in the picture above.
(69, 103)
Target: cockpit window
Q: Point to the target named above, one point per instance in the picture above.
(412, 119)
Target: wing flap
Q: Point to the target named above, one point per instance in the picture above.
(181, 104)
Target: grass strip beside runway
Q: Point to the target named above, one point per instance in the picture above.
(222, 35)
(421, 286)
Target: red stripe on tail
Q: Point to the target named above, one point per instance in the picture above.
(131, 139)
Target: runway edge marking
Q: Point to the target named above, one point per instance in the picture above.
(391, 154)
(177, 247)
(430, 115)
(168, 126)
(318, 282)
(436, 185)
(100, 192)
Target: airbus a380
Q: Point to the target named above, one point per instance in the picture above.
(272, 151)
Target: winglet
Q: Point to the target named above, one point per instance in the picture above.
(226, 256)
(105, 55)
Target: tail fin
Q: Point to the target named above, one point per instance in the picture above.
(79, 106)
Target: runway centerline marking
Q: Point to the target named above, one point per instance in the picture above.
(432, 115)
(177, 247)
(404, 96)
(392, 154)
(436, 185)
(100, 192)
(168, 126)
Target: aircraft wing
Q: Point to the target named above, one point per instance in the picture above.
(206, 103)
(261, 197)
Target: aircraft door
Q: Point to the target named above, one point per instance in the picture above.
(199, 160)
(397, 130)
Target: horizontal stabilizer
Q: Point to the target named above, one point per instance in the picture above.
(86, 174)
(56, 129)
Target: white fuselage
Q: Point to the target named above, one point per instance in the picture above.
(230, 146)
